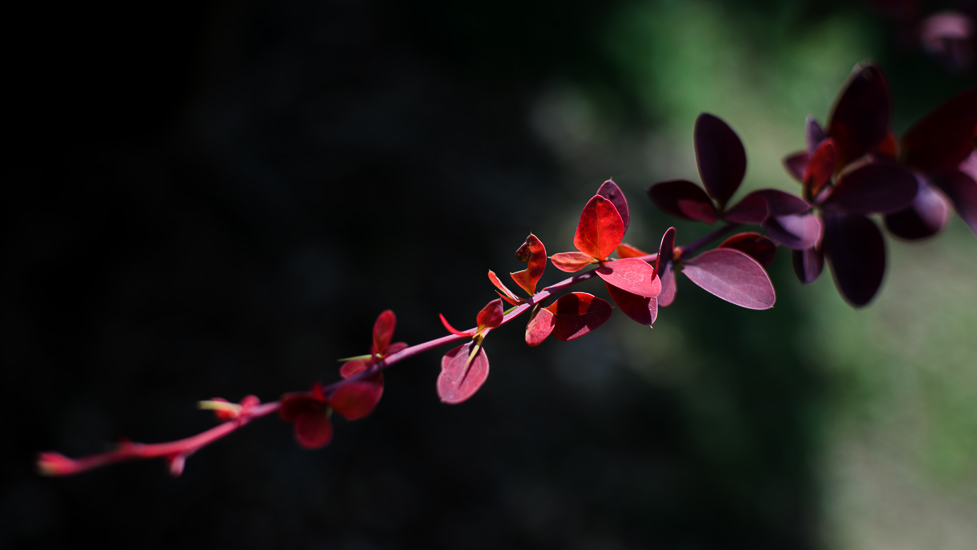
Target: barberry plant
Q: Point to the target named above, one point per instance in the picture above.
(853, 169)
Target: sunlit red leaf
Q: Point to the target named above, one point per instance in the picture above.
(539, 327)
(383, 331)
(503, 291)
(750, 209)
(813, 134)
(571, 262)
(720, 157)
(534, 253)
(461, 374)
(600, 229)
(356, 399)
(795, 164)
(683, 199)
(943, 138)
(610, 191)
(856, 252)
(628, 251)
(639, 308)
(924, 218)
(491, 315)
(754, 245)
(872, 188)
(962, 192)
(452, 329)
(664, 267)
(631, 275)
(808, 263)
(576, 314)
(796, 232)
(732, 276)
(860, 118)
(817, 174)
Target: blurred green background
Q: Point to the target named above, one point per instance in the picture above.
(218, 199)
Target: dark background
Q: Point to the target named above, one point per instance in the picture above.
(217, 198)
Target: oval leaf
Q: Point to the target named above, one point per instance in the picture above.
(639, 308)
(754, 245)
(491, 315)
(944, 137)
(683, 199)
(461, 373)
(628, 251)
(808, 263)
(539, 327)
(856, 252)
(962, 191)
(610, 191)
(860, 118)
(720, 157)
(355, 400)
(797, 232)
(313, 429)
(600, 229)
(571, 262)
(576, 314)
(733, 276)
(630, 275)
(872, 188)
(534, 253)
(383, 331)
(924, 218)
(751, 209)
(664, 268)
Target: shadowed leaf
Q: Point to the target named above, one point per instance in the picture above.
(872, 188)
(780, 203)
(639, 308)
(752, 209)
(383, 331)
(732, 276)
(683, 199)
(924, 218)
(630, 275)
(350, 368)
(600, 229)
(813, 134)
(355, 400)
(808, 263)
(576, 314)
(610, 191)
(860, 117)
(796, 232)
(491, 315)
(571, 262)
(313, 429)
(461, 374)
(944, 137)
(818, 172)
(628, 251)
(720, 157)
(795, 164)
(754, 245)
(664, 267)
(962, 192)
(855, 250)
(534, 253)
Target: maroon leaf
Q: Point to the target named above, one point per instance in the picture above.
(576, 314)
(795, 164)
(539, 327)
(856, 252)
(630, 275)
(720, 157)
(732, 276)
(751, 209)
(571, 262)
(355, 400)
(924, 218)
(943, 138)
(461, 374)
(817, 175)
(872, 188)
(383, 331)
(797, 232)
(313, 429)
(808, 263)
(754, 245)
(664, 268)
(534, 253)
(639, 308)
(683, 199)
(962, 191)
(813, 134)
(600, 229)
(860, 118)
(610, 191)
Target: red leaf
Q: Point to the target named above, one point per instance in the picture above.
(313, 429)
(628, 251)
(720, 157)
(298, 403)
(683, 199)
(576, 314)
(453, 330)
(491, 315)
(754, 245)
(383, 331)
(350, 368)
(504, 292)
(733, 276)
(600, 229)
(533, 252)
(460, 377)
(640, 309)
(795, 164)
(944, 137)
(872, 188)
(630, 275)
(818, 172)
(610, 191)
(860, 118)
(571, 262)
(539, 327)
(355, 400)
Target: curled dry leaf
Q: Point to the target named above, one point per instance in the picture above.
(534, 253)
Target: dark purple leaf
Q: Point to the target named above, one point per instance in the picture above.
(610, 191)
(631, 275)
(752, 209)
(667, 277)
(683, 199)
(855, 250)
(720, 156)
(943, 138)
(797, 232)
(664, 267)
(860, 118)
(924, 218)
(754, 245)
(808, 263)
(872, 188)
(461, 374)
(962, 191)
(639, 308)
(733, 276)
(813, 134)
(780, 203)
(795, 164)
